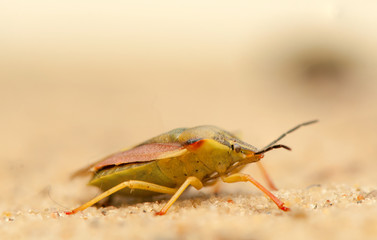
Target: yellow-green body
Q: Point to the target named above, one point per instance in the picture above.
(207, 153)
(173, 161)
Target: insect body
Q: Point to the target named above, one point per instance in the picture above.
(171, 162)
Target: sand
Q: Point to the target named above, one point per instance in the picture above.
(329, 212)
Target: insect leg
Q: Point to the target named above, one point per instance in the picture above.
(194, 181)
(132, 184)
(270, 183)
(240, 177)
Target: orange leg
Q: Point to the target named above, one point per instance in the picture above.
(239, 177)
(270, 183)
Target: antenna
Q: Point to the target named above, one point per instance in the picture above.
(272, 146)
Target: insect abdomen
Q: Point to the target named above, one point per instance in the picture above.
(148, 172)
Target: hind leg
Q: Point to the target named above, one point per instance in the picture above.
(132, 184)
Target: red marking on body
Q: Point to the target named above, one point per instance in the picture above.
(196, 145)
(143, 153)
(230, 201)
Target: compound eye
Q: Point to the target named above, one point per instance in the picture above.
(236, 148)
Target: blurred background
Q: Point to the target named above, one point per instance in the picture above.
(82, 79)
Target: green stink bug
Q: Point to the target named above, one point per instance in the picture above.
(170, 162)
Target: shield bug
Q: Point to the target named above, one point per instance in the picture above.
(171, 162)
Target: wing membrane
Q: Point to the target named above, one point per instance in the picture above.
(142, 153)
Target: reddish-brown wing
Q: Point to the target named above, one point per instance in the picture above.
(142, 153)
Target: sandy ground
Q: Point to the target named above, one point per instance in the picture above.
(80, 81)
(330, 212)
